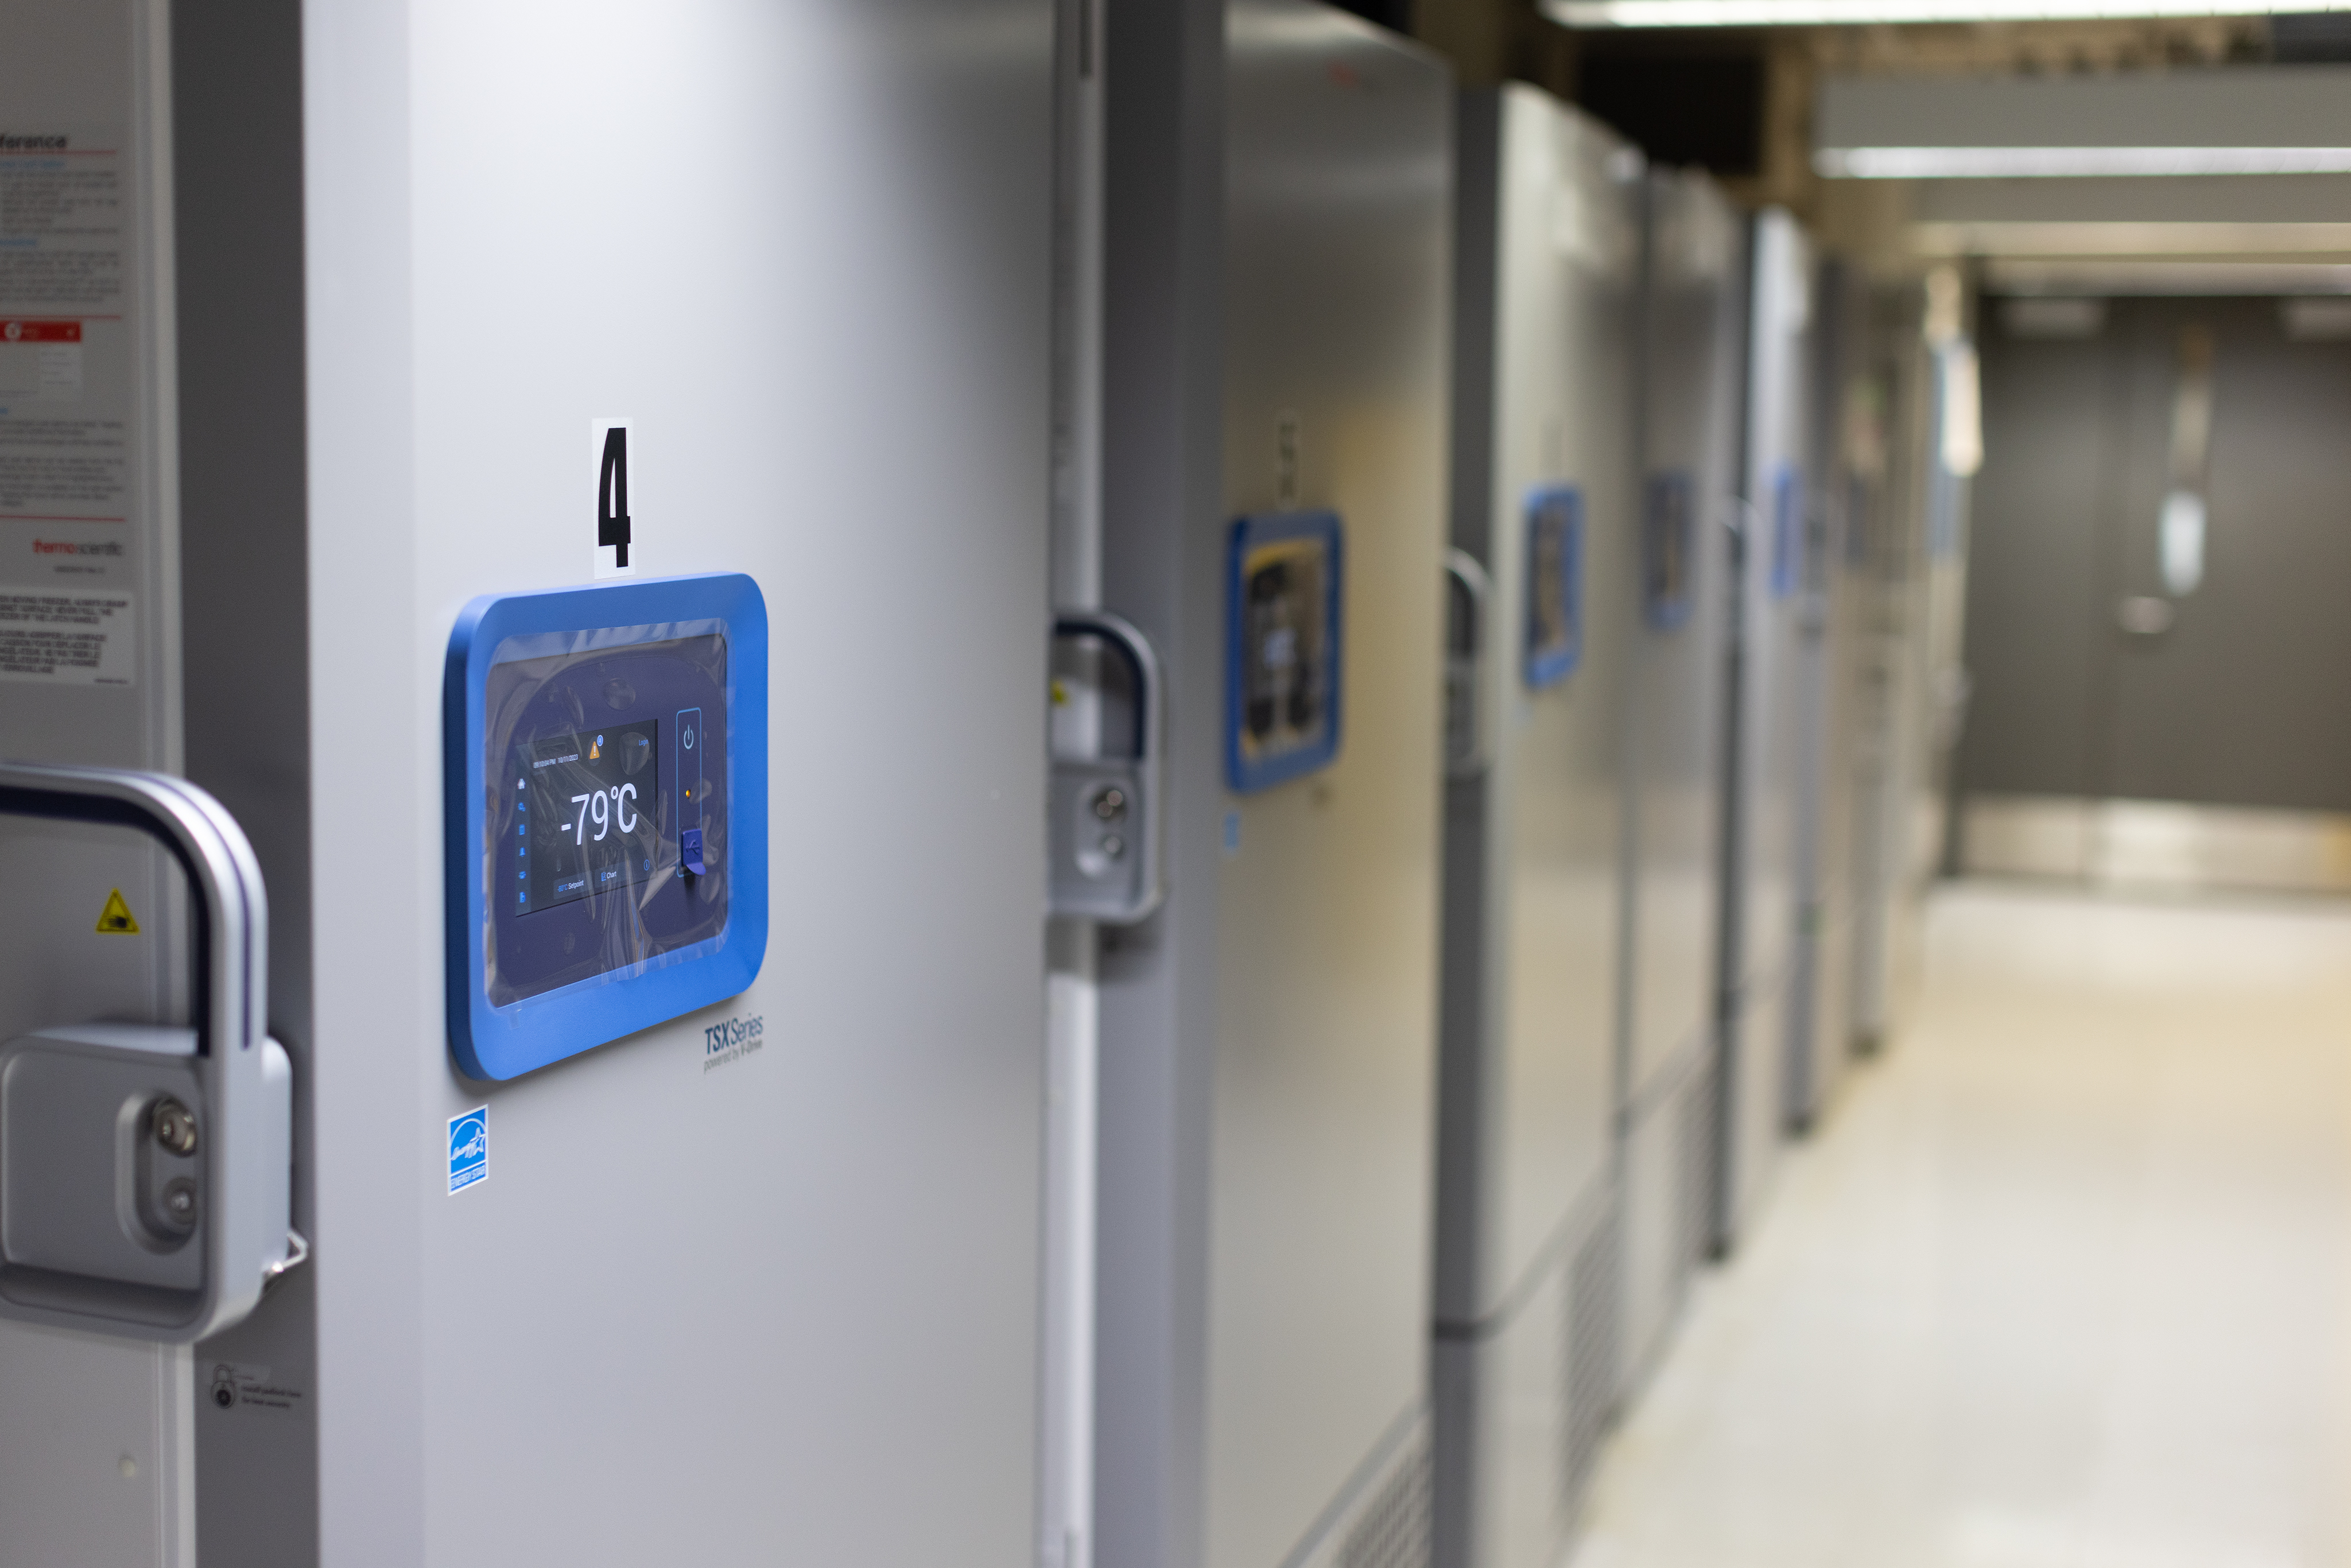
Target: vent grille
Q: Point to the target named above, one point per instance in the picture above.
(1595, 1291)
(1393, 1530)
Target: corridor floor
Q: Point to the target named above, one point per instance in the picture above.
(2064, 1281)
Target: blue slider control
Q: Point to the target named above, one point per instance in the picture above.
(689, 849)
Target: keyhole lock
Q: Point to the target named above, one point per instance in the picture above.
(175, 1130)
(1109, 806)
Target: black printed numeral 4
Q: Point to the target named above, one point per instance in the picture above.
(613, 496)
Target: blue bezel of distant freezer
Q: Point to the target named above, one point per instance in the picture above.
(1669, 523)
(500, 1042)
(1787, 531)
(1246, 777)
(1548, 666)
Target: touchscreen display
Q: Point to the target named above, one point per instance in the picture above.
(1286, 678)
(1668, 546)
(608, 812)
(588, 810)
(1554, 584)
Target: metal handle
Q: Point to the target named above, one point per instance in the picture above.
(1106, 816)
(238, 1138)
(1741, 519)
(1465, 664)
(1142, 662)
(2145, 614)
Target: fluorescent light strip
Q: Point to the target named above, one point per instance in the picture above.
(2070, 163)
(2147, 239)
(1835, 13)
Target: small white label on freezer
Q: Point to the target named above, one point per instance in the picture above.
(610, 443)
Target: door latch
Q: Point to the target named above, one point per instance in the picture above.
(1467, 590)
(1105, 805)
(2145, 614)
(145, 1168)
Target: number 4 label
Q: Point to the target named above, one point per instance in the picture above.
(615, 548)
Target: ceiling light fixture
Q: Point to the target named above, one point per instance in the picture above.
(1835, 13)
(2070, 163)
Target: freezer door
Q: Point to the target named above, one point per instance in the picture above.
(761, 1280)
(1337, 160)
(1545, 493)
(1762, 841)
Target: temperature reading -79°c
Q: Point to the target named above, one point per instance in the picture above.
(587, 807)
(610, 807)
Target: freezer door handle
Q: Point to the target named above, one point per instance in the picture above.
(1468, 591)
(145, 1168)
(1105, 805)
(2144, 615)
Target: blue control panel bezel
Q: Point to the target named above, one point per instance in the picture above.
(1668, 549)
(1253, 537)
(1551, 659)
(493, 1041)
(1787, 531)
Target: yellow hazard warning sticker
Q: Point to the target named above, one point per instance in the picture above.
(116, 918)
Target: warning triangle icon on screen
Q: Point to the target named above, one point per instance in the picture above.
(116, 918)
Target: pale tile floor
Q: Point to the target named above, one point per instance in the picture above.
(2063, 1283)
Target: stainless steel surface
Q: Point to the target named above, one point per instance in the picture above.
(1835, 595)
(1162, 563)
(856, 198)
(210, 530)
(1069, 1305)
(1916, 686)
(1549, 255)
(1766, 766)
(245, 619)
(1336, 277)
(1693, 350)
(1892, 732)
(77, 1405)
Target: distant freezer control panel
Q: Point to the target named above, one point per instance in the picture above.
(1283, 665)
(607, 775)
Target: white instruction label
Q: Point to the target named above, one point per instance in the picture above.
(71, 637)
(64, 334)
